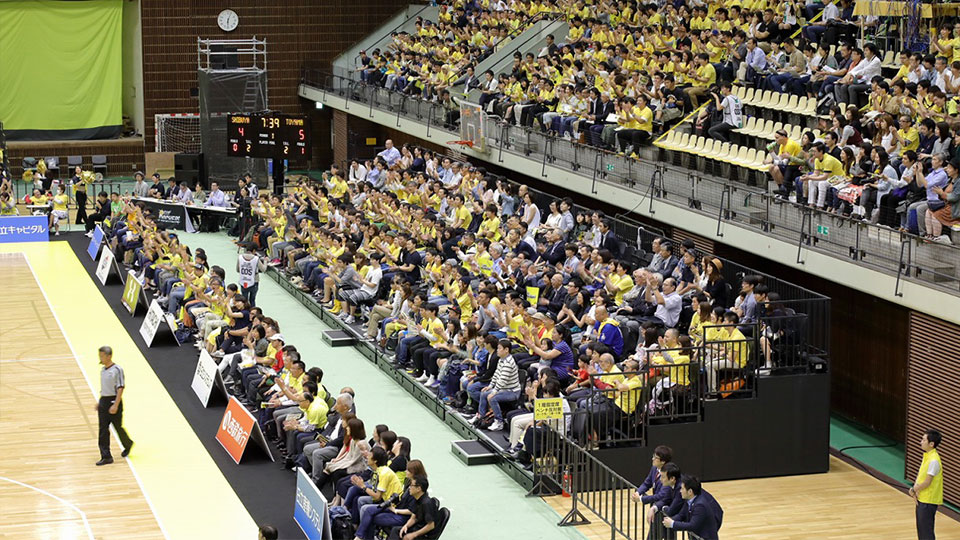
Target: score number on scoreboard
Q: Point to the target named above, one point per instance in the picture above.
(268, 136)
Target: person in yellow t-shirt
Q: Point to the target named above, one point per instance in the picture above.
(637, 124)
(783, 165)
(728, 348)
(907, 136)
(827, 171)
(383, 485)
(702, 80)
(490, 226)
(59, 212)
(619, 281)
(462, 218)
(927, 490)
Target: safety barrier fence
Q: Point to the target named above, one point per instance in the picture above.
(872, 246)
(595, 491)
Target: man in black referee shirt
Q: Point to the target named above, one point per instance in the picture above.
(110, 406)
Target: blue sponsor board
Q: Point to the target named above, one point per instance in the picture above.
(24, 229)
(95, 242)
(310, 509)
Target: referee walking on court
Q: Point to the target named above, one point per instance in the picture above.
(110, 406)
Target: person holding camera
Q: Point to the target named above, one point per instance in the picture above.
(394, 511)
(731, 108)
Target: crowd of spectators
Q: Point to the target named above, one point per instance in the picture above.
(371, 479)
(894, 173)
(626, 71)
(493, 302)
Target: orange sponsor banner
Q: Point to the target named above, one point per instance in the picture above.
(235, 429)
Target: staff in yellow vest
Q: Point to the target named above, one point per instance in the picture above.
(928, 487)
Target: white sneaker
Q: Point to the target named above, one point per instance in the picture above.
(942, 239)
(351, 319)
(89, 234)
(423, 378)
(430, 381)
(497, 425)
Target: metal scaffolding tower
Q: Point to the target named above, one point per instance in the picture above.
(232, 77)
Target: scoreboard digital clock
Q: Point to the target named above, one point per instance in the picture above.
(268, 135)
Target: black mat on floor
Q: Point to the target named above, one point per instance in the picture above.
(265, 490)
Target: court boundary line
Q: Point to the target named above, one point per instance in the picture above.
(83, 516)
(76, 358)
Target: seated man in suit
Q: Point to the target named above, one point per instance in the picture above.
(700, 515)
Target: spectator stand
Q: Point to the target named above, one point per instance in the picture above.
(801, 348)
(893, 252)
(404, 20)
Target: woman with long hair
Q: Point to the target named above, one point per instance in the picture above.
(350, 459)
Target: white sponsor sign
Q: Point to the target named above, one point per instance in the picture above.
(148, 329)
(103, 266)
(205, 377)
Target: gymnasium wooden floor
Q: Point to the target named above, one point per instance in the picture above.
(843, 503)
(49, 487)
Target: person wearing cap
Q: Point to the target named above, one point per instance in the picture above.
(140, 188)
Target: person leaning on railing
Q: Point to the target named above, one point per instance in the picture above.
(662, 455)
(701, 515)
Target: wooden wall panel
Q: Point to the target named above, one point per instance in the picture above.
(704, 245)
(932, 398)
(124, 156)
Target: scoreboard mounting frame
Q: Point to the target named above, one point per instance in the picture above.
(269, 135)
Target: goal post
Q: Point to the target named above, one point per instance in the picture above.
(177, 132)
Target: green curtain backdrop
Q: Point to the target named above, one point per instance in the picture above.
(61, 65)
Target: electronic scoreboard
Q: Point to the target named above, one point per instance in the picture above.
(268, 135)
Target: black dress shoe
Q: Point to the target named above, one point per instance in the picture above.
(105, 461)
(126, 451)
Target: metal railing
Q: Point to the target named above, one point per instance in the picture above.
(903, 255)
(595, 491)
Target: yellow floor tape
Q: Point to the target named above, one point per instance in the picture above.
(189, 495)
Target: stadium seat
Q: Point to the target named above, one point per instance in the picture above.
(53, 165)
(795, 132)
(668, 141)
(791, 103)
(748, 126)
(99, 164)
(74, 161)
(887, 59)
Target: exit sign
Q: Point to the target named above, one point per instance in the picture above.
(823, 230)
